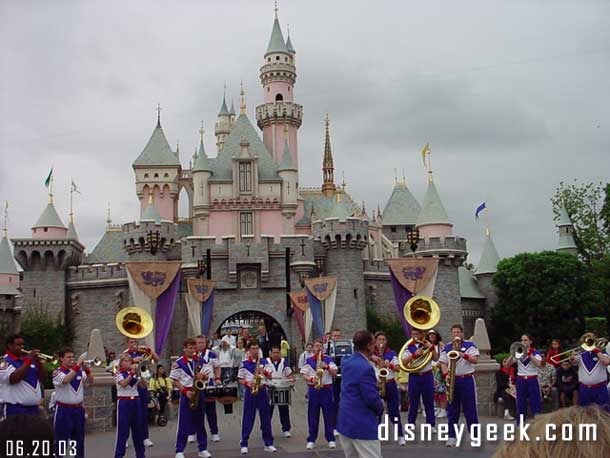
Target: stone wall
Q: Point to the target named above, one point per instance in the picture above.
(45, 288)
(447, 294)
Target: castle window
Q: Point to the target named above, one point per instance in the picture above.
(268, 59)
(46, 229)
(156, 175)
(277, 57)
(392, 228)
(268, 89)
(245, 177)
(146, 175)
(279, 97)
(166, 175)
(245, 223)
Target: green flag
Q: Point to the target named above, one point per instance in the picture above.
(47, 182)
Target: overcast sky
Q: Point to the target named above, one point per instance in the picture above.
(513, 96)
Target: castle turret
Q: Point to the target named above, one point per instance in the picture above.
(343, 238)
(222, 128)
(433, 220)
(157, 171)
(10, 285)
(400, 213)
(49, 224)
(486, 270)
(201, 201)
(328, 166)
(289, 173)
(565, 229)
(278, 77)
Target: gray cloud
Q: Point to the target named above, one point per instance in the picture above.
(509, 94)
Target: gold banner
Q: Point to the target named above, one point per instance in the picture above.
(299, 300)
(154, 277)
(200, 289)
(321, 287)
(413, 274)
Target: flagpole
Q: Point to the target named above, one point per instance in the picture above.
(51, 188)
(429, 164)
(71, 202)
(5, 228)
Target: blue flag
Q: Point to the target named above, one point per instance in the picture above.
(479, 209)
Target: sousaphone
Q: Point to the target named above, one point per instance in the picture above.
(134, 322)
(421, 312)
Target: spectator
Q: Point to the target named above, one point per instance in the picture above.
(504, 378)
(215, 340)
(555, 349)
(111, 358)
(306, 354)
(559, 448)
(160, 387)
(263, 341)
(440, 389)
(546, 377)
(567, 383)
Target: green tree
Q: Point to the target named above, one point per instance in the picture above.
(544, 294)
(43, 330)
(392, 327)
(588, 206)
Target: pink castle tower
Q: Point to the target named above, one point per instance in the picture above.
(278, 75)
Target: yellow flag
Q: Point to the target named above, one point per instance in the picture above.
(425, 151)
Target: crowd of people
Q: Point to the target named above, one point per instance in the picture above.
(350, 382)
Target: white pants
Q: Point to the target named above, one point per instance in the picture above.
(358, 448)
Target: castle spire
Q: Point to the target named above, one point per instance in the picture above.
(224, 111)
(328, 167)
(289, 45)
(276, 42)
(242, 99)
(489, 257)
(158, 115)
(5, 227)
(565, 229)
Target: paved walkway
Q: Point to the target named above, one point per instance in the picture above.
(101, 445)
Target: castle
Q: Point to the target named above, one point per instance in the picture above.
(256, 229)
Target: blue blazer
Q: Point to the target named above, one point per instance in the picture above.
(360, 406)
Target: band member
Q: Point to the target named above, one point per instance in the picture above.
(464, 394)
(421, 382)
(321, 398)
(280, 370)
(527, 386)
(385, 358)
(208, 358)
(137, 354)
(592, 377)
(69, 421)
(21, 376)
(190, 419)
(128, 411)
(251, 367)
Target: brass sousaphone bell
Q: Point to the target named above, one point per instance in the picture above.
(421, 312)
(134, 322)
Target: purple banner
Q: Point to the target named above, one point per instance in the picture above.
(166, 303)
(401, 296)
(298, 314)
(316, 313)
(206, 313)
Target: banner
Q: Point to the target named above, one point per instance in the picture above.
(300, 306)
(200, 304)
(154, 287)
(153, 277)
(410, 277)
(322, 297)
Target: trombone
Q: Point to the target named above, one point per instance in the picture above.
(588, 342)
(43, 357)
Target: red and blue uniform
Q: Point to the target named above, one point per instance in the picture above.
(252, 403)
(321, 399)
(128, 413)
(69, 418)
(143, 396)
(210, 359)
(592, 380)
(527, 386)
(24, 396)
(420, 386)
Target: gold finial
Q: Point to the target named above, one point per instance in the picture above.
(242, 101)
(201, 132)
(108, 220)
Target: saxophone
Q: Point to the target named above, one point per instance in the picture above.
(258, 378)
(198, 387)
(453, 357)
(319, 372)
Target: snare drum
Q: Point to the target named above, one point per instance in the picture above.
(279, 392)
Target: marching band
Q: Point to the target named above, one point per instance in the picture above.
(267, 382)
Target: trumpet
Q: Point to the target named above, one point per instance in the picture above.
(517, 351)
(588, 342)
(93, 362)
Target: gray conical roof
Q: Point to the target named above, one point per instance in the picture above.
(7, 262)
(71, 231)
(286, 162)
(224, 111)
(151, 214)
(402, 207)
(157, 151)
(289, 46)
(489, 258)
(202, 164)
(432, 211)
(564, 218)
(49, 218)
(232, 110)
(276, 43)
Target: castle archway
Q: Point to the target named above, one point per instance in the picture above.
(251, 320)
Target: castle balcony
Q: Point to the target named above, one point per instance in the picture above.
(273, 112)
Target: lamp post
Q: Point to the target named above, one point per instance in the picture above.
(153, 239)
(413, 239)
